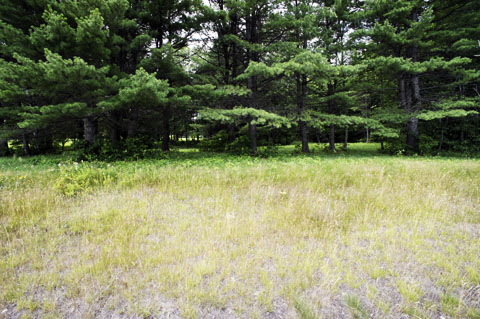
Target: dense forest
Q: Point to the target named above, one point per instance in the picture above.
(109, 76)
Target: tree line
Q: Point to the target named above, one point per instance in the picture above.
(117, 74)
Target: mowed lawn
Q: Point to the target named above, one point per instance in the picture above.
(352, 235)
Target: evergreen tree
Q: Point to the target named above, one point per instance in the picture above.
(62, 90)
(170, 24)
(89, 70)
(401, 46)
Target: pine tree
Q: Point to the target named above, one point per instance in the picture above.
(245, 39)
(170, 25)
(62, 90)
(401, 46)
(88, 70)
(16, 19)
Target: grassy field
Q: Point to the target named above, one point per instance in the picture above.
(348, 235)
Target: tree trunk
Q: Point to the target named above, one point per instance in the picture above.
(36, 142)
(412, 125)
(42, 143)
(413, 100)
(231, 132)
(132, 123)
(367, 135)
(252, 130)
(252, 37)
(301, 100)
(4, 151)
(166, 129)
(412, 134)
(304, 133)
(331, 138)
(114, 135)
(345, 142)
(401, 93)
(26, 147)
(89, 130)
(331, 110)
(48, 143)
(440, 144)
(406, 102)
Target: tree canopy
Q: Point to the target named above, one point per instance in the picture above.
(259, 72)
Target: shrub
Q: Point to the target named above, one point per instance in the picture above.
(241, 145)
(216, 143)
(79, 178)
(428, 145)
(129, 149)
(395, 146)
(267, 151)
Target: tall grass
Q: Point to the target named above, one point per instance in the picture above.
(239, 237)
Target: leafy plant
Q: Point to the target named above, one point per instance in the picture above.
(81, 178)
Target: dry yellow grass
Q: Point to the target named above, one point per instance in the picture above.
(303, 238)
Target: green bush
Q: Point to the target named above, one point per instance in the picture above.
(428, 145)
(297, 147)
(129, 149)
(395, 146)
(241, 145)
(216, 143)
(79, 178)
(267, 151)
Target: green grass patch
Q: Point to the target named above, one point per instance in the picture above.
(202, 234)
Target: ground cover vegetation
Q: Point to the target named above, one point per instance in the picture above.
(354, 234)
(116, 76)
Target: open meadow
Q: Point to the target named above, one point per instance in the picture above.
(349, 235)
